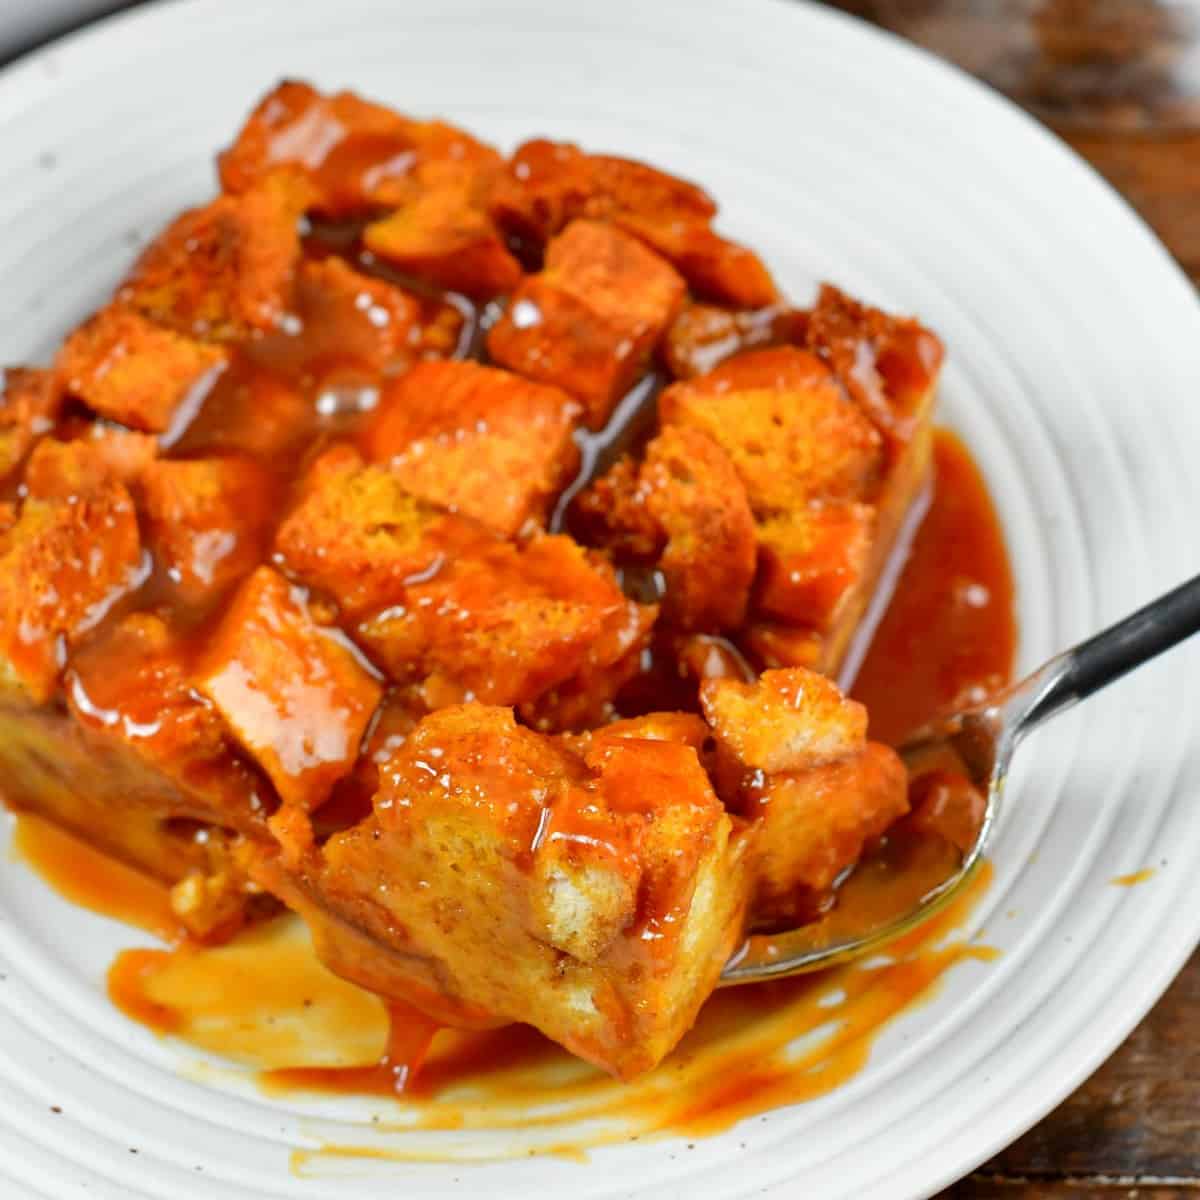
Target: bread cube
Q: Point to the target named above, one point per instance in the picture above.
(787, 426)
(354, 153)
(29, 405)
(811, 562)
(586, 698)
(134, 372)
(441, 231)
(552, 183)
(682, 728)
(357, 534)
(704, 335)
(946, 804)
(63, 565)
(889, 365)
(58, 469)
(295, 695)
(611, 513)
(549, 184)
(793, 758)
(350, 321)
(714, 267)
(398, 714)
(787, 720)
(131, 692)
(504, 878)
(589, 322)
(208, 520)
(504, 624)
(772, 645)
(694, 493)
(813, 824)
(476, 440)
(685, 509)
(129, 809)
(444, 600)
(224, 271)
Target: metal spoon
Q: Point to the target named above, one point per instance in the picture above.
(984, 738)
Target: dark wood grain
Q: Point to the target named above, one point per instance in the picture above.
(1114, 79)
(1137, 1120)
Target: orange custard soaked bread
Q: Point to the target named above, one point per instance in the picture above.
(593, 886)
(401, 543)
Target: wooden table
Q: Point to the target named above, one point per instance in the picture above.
(1109, 76)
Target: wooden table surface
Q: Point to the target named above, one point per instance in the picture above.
(1113, 79)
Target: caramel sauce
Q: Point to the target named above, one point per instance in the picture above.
(85, 876)
(949, 635)
(263, 999)
(1133, 878)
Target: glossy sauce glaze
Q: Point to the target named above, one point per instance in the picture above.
(949, 633)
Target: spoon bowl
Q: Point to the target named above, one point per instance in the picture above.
(980, 741)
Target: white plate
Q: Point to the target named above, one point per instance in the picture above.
(1074, 374)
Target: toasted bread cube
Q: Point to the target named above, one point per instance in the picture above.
(686, 507)
(549, 335)
(354, 320)
(771, 646)
(211, 905)
(207, 520)
(685, 729)
(397, 716)
(623, 283)
(714, 267)
(224, 271)
(441, 232)
(546, 185)
(63, 565)
(28, 407)
(550, 184)
(611, 512)
(705, 335)
(131, 690)
(504, 878)
(787, 426)
(812, 825)
(590, 320)
(357, 534)
(786, 721)
(889, 365)
(694, 493)
(586, 698)
(502, 624)
(134, 372)
(811, 560)
(296, 697)
(355, 153)
(476, 440)
(65, 469)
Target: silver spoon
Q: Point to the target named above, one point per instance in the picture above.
(984, 738)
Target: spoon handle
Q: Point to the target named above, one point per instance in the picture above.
(1114, 652)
